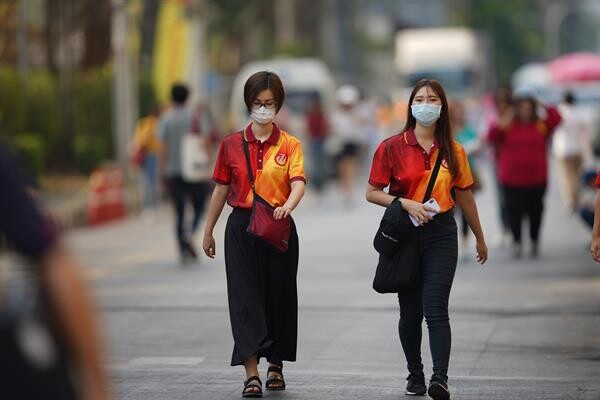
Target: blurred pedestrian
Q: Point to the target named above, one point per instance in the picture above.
(404, 164)
(587, 198)
(595, 247)
(464, 134)
(49, 339)
(174, 125)
(501, 116)
(318, 128)
(572, 148)
(145, 147)
(522, 141)
(349, 130)
(261, 282)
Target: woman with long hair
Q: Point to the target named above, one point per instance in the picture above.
(403, 163)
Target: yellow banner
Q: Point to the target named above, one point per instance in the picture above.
(171, 47)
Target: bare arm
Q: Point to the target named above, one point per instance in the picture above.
(466, 201)
(596, 231)
(293, 200)
(215, 207)
(377, 196)
(74, 310)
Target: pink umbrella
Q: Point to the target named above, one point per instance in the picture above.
(575, 67)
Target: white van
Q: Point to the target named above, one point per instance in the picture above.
(303, 79)
(457, 57)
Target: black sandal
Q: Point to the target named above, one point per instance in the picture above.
(276, 381)
(252, 387)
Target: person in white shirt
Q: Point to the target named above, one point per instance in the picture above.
(348, 130)
(571, 146)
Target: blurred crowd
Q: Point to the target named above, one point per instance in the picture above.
(508, 131)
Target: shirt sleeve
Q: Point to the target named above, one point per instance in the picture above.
(552, 119)
(597, 184)
(464, 179)
(296, 167)
(21, 222)
(162, 129)
(495, 134)
(381, 170)
(222, 172)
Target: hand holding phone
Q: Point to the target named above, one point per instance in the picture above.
(433, 205)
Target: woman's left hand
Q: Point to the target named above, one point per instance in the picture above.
(282, 212)
(482, 252)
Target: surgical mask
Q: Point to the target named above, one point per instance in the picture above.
(262, 114)
(426, 114)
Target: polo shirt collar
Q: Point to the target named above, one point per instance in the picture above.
(273, 139)
(411, 139)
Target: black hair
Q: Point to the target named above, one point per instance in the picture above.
(260, 81)
(179, 93)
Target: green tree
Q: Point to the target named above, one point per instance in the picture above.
(514, 28)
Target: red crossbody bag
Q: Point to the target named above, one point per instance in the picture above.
(275, 233)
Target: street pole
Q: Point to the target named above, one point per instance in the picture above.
(285, 22)
(197, 48)
(22, 56)
(554, 16)
(124, 115)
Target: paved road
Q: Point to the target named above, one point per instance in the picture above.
(521, 330)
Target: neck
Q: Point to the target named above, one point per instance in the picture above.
(425, 133)
(262, 132)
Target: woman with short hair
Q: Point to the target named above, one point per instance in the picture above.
(261, 282)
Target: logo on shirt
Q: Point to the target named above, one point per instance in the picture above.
(281, 159)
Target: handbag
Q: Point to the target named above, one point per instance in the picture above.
(195, 161)
(275, 233)
(138, 156)
(397, 243)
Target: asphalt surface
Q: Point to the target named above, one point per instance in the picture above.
(527, 329)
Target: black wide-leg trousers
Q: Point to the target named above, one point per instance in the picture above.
(262, 294)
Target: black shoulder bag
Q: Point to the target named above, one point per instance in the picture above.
(397, 243)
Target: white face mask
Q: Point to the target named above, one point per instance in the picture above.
(262, 115)
(426, 114)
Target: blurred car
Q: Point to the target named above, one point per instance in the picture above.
(457, 57)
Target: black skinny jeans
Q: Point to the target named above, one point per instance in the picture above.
(429, 298)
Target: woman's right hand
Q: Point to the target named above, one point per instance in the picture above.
(419, 211)
(208, 245)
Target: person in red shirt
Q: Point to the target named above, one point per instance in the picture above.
(318, 127)
(404, 163)
(595, 248)
(261, 282)
(522, 145)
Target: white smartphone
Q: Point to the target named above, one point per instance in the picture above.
(432, 203)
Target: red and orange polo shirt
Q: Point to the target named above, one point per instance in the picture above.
(403, 165)
(276, 162)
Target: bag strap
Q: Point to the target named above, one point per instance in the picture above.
(248, 164)
(433, 176)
